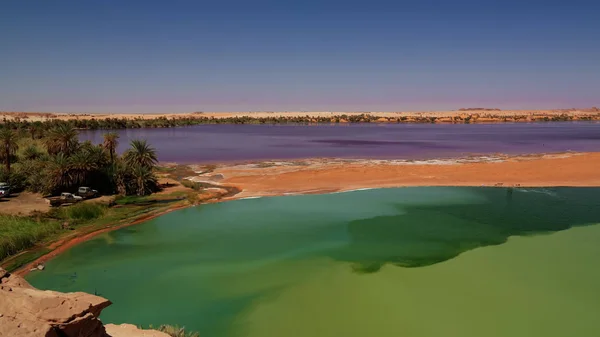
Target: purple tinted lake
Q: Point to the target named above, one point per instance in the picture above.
(229, 143)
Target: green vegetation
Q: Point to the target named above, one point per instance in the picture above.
(38, 129)
(192, 184)
(85, 211)
(176, 331)
(52, 160)
(9, 146)
(18, 233)
(131, 200)
(111, 141)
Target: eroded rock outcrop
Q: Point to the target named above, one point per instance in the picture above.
(29, 312)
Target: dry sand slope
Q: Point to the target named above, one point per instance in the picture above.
(317, 176)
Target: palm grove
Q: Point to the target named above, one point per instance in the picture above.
(54, 161)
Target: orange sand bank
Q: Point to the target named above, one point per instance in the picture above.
(315, 176)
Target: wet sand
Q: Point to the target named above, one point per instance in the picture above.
(322, 176)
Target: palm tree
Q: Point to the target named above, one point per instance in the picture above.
(63, 138)
(9, 146)
(58, 173)
(144, 179)
(37, 130)
(81, 164)
(31, 152)
(98, 155)
(119, 175)
(111, 141)
(32, 130)
(140, 154)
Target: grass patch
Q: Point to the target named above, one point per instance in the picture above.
(175, 331)
(131, 200)
(19, 233)
(177, 194)
(77, 213)
(85, 211)
(25, 258)
(196, 186)
(180, 172)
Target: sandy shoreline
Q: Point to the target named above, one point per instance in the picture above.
(323, 176)
(60, 246)
(317, 176)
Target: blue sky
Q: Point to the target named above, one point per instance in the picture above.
(329, 55)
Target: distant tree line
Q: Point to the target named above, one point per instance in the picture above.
(37, 128)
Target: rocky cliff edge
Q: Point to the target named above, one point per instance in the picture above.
(28, 312)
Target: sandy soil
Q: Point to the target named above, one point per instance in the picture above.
(170, 186)
(319, 176)
(23, 204)
(42, 116)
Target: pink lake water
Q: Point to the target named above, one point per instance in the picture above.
(230, 143)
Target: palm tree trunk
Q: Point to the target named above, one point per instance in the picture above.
(141, 187)
(7, 154)
(121, 188)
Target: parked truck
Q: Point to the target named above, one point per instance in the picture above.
(65, 198)
(4, 190)
(86, 192)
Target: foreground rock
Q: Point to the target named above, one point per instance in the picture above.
(26, 311)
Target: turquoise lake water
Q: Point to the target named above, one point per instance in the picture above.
(418, 262)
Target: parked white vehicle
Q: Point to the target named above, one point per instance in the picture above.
(4, 190)
(86, 192)
(64, 199)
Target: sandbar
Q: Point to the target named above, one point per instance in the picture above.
(323, 176)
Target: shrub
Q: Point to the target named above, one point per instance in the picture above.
(176, 331)
(191, 184)
(85, 211)
(192, 198)
(19, 233)
(34, 173)
(31, 152)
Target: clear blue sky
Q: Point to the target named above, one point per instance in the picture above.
(244, 55)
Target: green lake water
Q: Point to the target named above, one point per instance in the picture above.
(415, 262)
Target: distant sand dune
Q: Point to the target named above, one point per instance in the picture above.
(484, 114)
